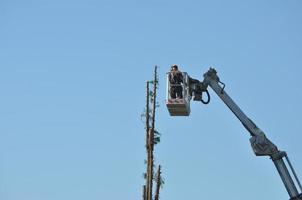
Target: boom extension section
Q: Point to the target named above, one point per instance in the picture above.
(259, 142)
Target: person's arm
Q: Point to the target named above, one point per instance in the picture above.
(181, 78)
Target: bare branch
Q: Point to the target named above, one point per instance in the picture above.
(158, 183)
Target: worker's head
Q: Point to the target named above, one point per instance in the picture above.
(174, 67)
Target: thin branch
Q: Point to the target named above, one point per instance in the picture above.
(144, 192)
(158, 183)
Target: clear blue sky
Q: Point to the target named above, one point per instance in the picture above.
(72, 88)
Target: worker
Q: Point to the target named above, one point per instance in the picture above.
(176, 80)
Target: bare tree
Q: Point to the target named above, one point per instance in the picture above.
(152, 135)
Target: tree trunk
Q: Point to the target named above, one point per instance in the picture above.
(151, 161)
(147, 143)
(151, 135)
(150, 131)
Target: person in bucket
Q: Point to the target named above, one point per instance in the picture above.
(176, 80)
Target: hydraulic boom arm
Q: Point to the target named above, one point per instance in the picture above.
(259, 142)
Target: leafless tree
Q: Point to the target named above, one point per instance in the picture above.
(152, 138)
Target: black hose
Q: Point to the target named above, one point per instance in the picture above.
(209, 98)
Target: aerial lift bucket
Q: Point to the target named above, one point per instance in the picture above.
(178, 106)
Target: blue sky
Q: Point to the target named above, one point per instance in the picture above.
(72, 88)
